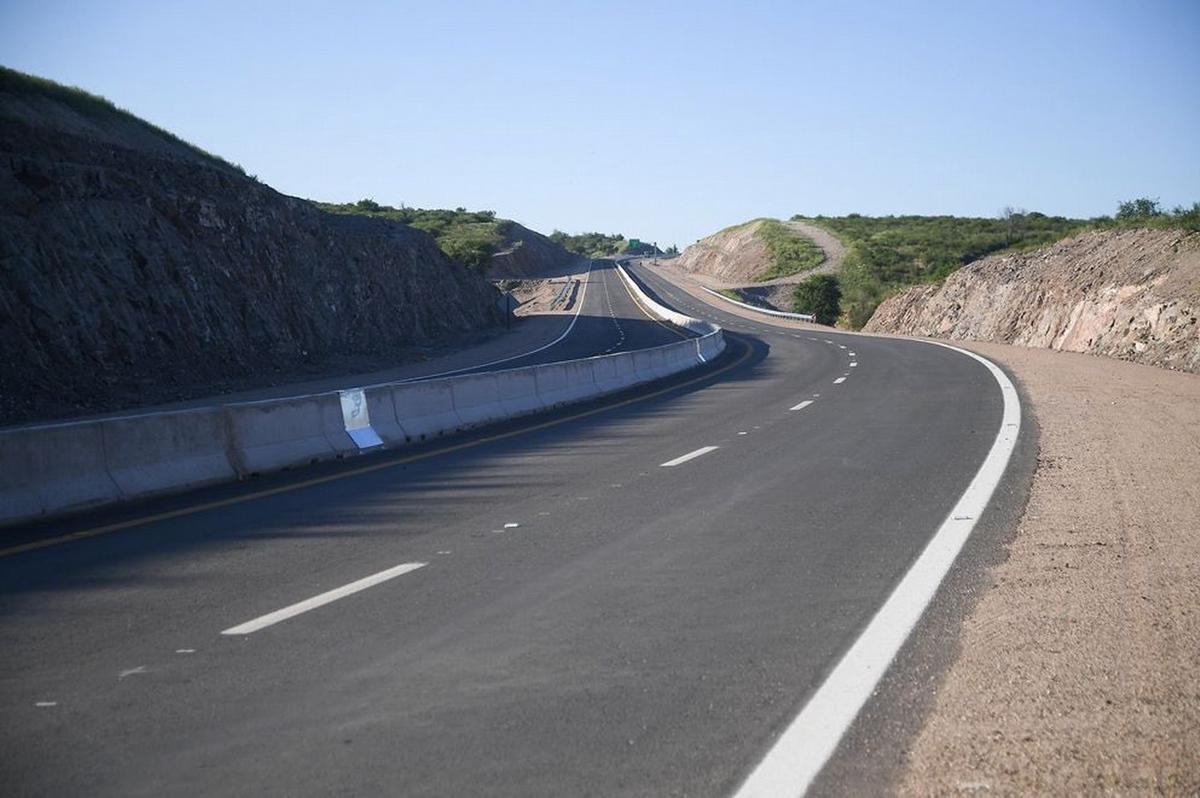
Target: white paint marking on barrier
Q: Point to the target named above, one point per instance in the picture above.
(807, 743)
(839, 380)
(703, 450)
(357, 419)
(321, 600)
(803, 404)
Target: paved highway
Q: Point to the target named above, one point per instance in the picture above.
(629, 598)
(607, 319)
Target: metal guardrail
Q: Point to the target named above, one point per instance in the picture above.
(748, 306)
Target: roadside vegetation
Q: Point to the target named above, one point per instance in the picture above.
(790, 252)
(590, 245)
(95, 107)
(820, 295)
(1146, 212)
(888, 253)
(600, 245)
(469, 237)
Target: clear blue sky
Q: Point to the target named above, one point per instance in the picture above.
(660, 120)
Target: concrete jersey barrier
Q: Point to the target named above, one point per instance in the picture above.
(51, 469)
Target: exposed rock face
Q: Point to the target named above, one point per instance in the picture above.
(528, 254)
(1131, 294)
(731, 256)
(734, 258)
(129, 261)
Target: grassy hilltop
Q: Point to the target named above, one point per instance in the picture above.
(887, 253)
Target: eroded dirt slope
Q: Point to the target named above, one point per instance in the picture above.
(732, 256)
(1129, 294)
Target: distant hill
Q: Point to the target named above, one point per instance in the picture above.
(601, 245)
(135, 268)
(756, 251)
(478, 239)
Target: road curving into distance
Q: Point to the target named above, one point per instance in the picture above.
(607, 319)
(631, 599)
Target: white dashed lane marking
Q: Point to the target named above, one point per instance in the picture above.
(703, 450)
(803, 404)
(292, 610)
(839, 380)
(620, 330)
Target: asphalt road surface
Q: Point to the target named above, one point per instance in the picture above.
(632, 597)
(607, 319)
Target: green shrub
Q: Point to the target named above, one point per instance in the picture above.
(820, 295)
(886, 253)
(590, 245)
(469, 237)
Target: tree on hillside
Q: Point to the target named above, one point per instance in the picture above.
(1138, 209)
(1014, 222)
(820, 295)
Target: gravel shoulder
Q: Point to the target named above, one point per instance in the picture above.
(1078, 669)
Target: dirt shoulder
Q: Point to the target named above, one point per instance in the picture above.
(1078, 668)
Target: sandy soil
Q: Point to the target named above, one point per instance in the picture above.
(1079, 669)
(544, 296)
(835, 251)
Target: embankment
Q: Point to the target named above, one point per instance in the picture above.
(1128, 294)
(135, 268)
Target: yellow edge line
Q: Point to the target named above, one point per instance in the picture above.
(308, 483)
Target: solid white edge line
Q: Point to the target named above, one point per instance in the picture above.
(797, 757)
(325, 598)
(542, 348)
(802, 405)
(689, 456)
